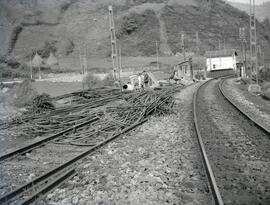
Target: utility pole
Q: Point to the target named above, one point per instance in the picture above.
(253, 39)
(85, 59)
(242, 37)
(219, 44)
(259, 49)
(120, 68)
(81, 63)
(31, 68)
(157, 54)
(183, 45)
(113, 41)
(197, 43)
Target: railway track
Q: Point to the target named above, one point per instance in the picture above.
(233, 146)
(248, 116)
(74, 144)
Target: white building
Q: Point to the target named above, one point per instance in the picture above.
(221, 60)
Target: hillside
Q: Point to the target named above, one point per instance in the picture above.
(262, 10)
(68, 27)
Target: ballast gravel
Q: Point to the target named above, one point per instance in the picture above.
(252, 104)
(158, 163)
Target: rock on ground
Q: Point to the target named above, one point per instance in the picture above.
(158, 163)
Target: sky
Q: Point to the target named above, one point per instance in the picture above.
(247, 1)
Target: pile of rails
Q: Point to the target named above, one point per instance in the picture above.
(107, 111)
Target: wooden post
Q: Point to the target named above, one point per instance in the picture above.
(183, 46)
(31, 68)
(197, 43)
(120, 68)
(81, 60)
(85, 59)
(157, 54)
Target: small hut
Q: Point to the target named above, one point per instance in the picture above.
(183, 70)
(36, 62)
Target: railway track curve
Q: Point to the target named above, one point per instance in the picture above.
(234, 147)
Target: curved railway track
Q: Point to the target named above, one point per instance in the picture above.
(235, 156)
(32, 190)
(212, 181)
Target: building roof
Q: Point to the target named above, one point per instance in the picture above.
(220, 53)
(36, 61)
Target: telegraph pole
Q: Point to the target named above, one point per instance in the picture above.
(113, 41)
(183, 45)
(242, 37)
(31, 68)
(157, 54)
(85, 59)
(120, 68)
(80, 56)
(197, 43)
(253, 39)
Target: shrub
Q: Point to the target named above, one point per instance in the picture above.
(128, 26)
(42, 103)
(22, 94)
(264, 74)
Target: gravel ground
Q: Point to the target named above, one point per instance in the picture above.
(7, 138)
(254, 105)
(24, 168)
(238, 151)
(158, 163)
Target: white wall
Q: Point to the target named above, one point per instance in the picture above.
(221, 63)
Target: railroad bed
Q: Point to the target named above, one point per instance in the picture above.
(33, 170)
(237, 150)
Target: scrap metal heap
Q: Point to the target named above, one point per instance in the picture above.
(103, 112)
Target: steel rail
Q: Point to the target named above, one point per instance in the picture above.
(7, 197)
(48, 187)
(214, 188)
(237, 107)
(33, 145)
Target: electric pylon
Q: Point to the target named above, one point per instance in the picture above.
(113, 42)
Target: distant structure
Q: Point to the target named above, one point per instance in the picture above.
(184, 70)
(36, 62)
(221, 60)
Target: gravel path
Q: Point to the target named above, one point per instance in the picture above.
(158, 163)
(238, 151)
(253, 105)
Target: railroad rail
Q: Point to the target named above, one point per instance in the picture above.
(49, 177)
(211, 178)
(207, 164)
(248, 116)
(30, 147)
(115, 121)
